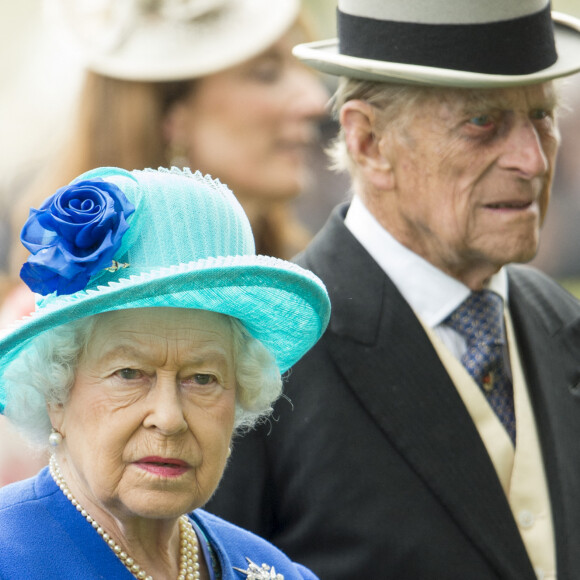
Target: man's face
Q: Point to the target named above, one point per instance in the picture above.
(472, 174)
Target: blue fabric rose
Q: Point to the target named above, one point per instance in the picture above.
(73, 235)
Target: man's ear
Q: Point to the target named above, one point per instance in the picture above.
(359, 122)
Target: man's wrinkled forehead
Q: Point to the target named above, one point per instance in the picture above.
(525, 98)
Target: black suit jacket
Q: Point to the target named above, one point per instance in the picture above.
(375, 469)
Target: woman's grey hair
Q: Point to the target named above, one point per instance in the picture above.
(44, 373)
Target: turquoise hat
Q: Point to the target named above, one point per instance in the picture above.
(160, 238)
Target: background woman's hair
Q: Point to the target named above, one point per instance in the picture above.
(118, 123)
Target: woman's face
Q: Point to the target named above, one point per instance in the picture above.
(251, 125)
(150, 416)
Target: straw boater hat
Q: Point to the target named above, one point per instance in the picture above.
(115, 239)
(164, 40)
(457, 43)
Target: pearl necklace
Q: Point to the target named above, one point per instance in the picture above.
(189, 551)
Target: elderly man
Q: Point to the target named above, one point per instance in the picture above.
(434, 431)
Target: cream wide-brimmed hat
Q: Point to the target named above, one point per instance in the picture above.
(166, 40)
(455, 43)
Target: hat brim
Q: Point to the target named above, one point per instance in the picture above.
(325, 57)
(279, 303)
(154, 49)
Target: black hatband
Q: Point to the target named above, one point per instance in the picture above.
(510, 47)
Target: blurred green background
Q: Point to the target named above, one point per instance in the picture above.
(570, 6)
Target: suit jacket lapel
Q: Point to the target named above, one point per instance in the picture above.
(392, 367)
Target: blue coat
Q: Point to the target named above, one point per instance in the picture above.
(43, 536)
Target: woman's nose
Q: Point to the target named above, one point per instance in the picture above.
(165, 410)
(310, 95)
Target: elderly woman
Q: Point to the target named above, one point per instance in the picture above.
(158, 332)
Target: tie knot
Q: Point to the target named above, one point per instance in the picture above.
(479, 319)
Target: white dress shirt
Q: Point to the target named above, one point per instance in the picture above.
(431, 293)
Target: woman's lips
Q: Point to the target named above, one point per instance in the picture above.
(163, 466)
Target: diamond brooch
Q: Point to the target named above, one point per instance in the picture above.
(263, 572)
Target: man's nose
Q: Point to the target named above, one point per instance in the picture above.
(525, 151)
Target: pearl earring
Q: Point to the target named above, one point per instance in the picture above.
(55, 438)
(229, 451)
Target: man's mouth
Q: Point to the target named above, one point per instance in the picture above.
(510, 205)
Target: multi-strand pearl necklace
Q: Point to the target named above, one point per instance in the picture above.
(189, 551)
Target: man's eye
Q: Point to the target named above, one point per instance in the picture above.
(481, 120)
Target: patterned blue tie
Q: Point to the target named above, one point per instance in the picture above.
(480, 321)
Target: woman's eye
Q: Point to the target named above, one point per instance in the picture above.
(204, 379)
(267, 72)
(129, 374)
(540, 114)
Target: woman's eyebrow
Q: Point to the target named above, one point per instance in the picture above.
(120, 351)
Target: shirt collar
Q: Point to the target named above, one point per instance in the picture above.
(412, 274)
